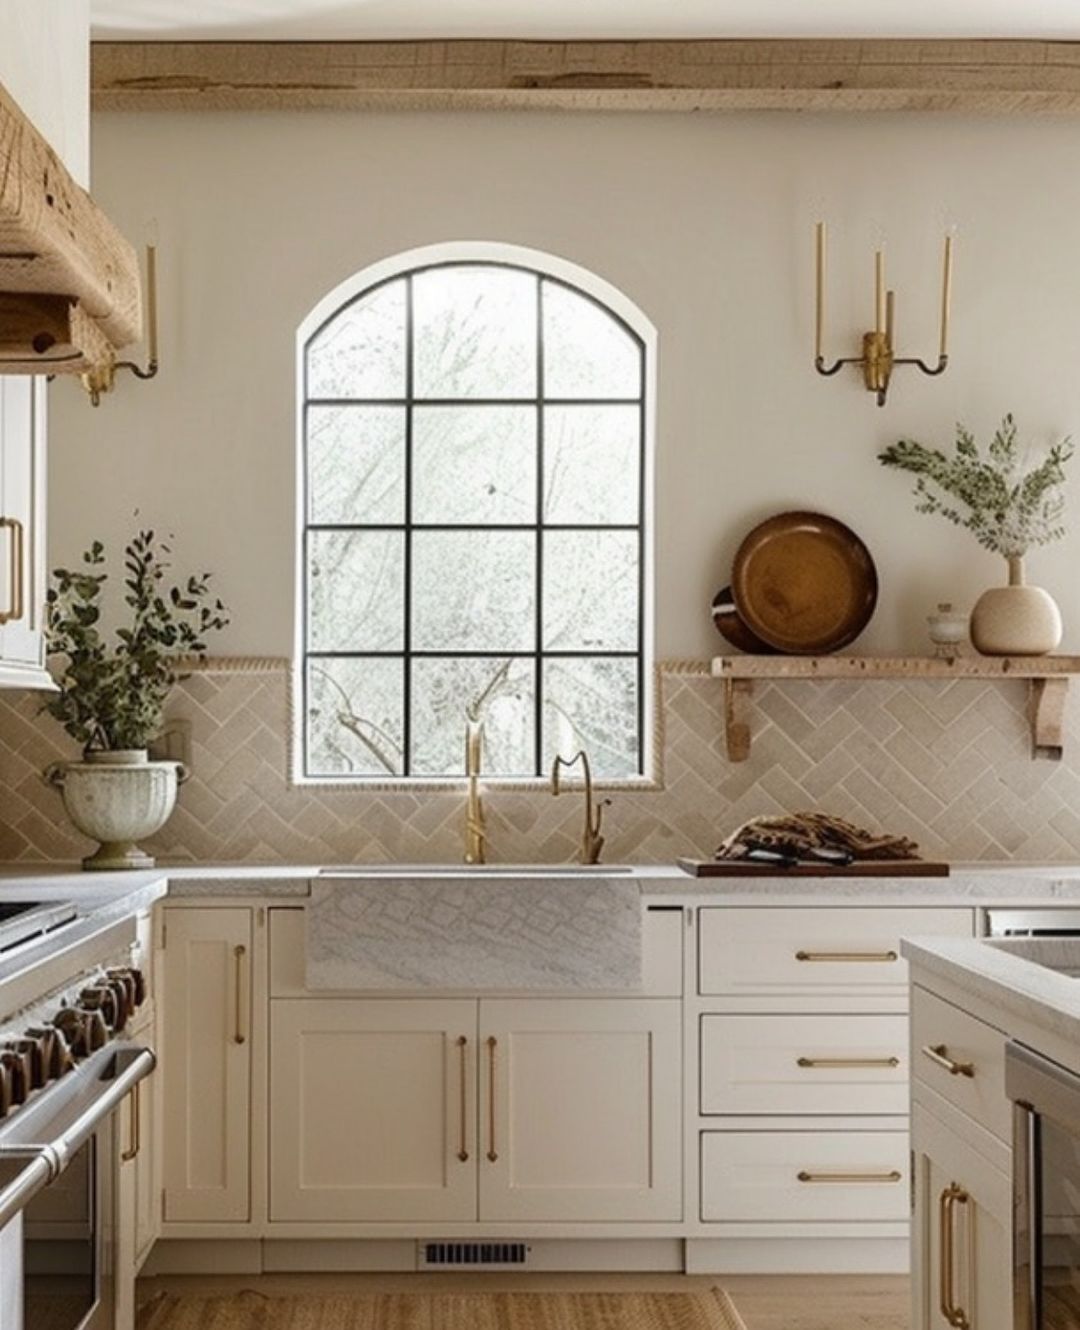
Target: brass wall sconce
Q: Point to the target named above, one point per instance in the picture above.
(879, 358)
(102, 377)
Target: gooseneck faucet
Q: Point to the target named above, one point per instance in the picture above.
(592, 842)
(475, 835)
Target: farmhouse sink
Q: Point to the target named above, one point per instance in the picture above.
(479, 870)
(489, 928)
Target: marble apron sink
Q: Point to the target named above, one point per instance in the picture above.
(492, 930)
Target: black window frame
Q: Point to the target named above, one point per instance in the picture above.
(538, 655)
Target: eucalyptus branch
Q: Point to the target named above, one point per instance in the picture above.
(1006, 503)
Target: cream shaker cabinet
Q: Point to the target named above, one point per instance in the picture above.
(961, 1236)
(469, 1110)
(373, 1110)
(22, 532)
(580, 1109)
(206, 1072)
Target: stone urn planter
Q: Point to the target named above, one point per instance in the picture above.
(117, 798)
(1016, 620)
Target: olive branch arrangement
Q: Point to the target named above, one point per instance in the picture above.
(112, 695)
(1007, 504)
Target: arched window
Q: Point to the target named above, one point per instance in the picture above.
(475, 489)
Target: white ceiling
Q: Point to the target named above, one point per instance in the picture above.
(341, 20)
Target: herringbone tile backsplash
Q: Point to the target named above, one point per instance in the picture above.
(947, 763)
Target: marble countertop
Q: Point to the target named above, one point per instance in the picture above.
(1028, 977)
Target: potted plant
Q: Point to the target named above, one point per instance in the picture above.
(1010, 504)
(112, 693)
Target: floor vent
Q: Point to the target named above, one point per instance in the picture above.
(472, 1255)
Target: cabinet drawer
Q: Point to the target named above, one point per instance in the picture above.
(942, 1038)
(785, 1176)
(804, 1064)
(815, 950)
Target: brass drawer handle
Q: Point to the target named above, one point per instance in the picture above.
(843, 957)
(939, 1056)
(840, 1064)
(492, 1153)
(239, 952)
(950, 1198)
(894, 1175)
(463, 1088)
(16, 572)
(135, 1137)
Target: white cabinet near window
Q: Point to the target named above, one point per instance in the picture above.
(373, 1110)
(580, 1110)
(22, 533)
(206, 1064)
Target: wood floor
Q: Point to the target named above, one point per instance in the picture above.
(765, 1302)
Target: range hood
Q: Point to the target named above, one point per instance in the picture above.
(69, 281)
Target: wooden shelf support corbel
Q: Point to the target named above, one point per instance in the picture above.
(1049, 698)
(738, 696)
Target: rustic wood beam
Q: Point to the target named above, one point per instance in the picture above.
(49, 335)
(971, 76)
(54, 240)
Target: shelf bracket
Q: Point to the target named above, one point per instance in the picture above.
(1047, 709)
(738, 694)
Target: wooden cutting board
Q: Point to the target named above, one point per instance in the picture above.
(864, 868)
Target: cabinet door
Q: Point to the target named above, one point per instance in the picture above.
(372, 1109)
(22, 537)
(206, 1073)
(580, 1113)
(961, 1236)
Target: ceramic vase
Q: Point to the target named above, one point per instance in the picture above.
(117, 798)
(1016, 620)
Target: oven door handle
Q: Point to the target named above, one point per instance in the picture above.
(81, 1101)
(25, 1185)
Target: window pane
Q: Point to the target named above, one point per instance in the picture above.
(474, 464)
(354, 717)
(592, 704)
(474, 591)
(356, 464)
(475, 332)
(356, 590)
(591, 464)
(587, 352)
(591, 591)
(504, 691)
(361, 351)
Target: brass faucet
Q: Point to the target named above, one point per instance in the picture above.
(475, 835)
(591, 840)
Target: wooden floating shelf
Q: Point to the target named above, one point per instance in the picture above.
(1047, 676)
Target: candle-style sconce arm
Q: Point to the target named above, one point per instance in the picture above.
(879, 359)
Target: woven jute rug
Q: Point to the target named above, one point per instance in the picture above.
(708, 1309)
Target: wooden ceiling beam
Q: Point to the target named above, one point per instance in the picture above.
(55, 241)
(1003, 77)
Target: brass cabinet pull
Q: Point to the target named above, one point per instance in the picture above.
(939, 1056)
(239, 952)
(894, 1175)
(16, 572)
(840, 1064)
(842, 957)
(135, 1127)
(463, 1051)
(950, 1198)
(492, 1045)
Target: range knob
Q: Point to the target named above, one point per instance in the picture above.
(55, 1054)
(103, 998)
(134, 978)
(84, 1030)
(17, 1066)
(33, 1052)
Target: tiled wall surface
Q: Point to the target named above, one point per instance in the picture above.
(946, 763)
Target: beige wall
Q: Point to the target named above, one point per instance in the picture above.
(45, 66)
(704, 221)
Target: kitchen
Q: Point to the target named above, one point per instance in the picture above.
(386, 997)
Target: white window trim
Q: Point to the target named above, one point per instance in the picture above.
(551, 265)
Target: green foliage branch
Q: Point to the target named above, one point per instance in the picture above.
(1006, 503)
(112, 693)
